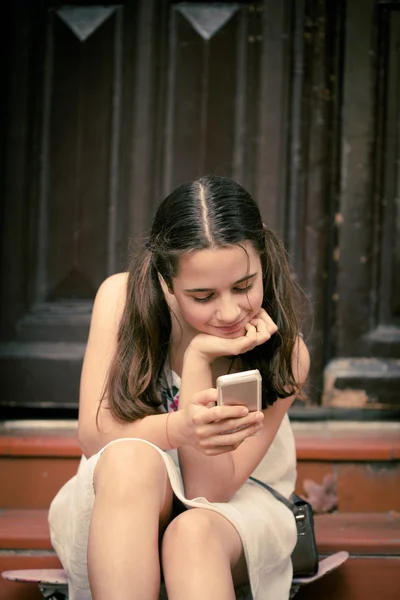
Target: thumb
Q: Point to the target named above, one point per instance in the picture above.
(204, 397)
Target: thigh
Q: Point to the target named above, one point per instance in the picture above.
(129, 468)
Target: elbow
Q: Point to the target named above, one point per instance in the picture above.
(82, 441)
(86, 440)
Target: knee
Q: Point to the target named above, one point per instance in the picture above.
(191, 532)
(129, 466)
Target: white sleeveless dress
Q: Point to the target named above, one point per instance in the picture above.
(266, 527)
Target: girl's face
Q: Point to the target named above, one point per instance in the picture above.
(218, 291)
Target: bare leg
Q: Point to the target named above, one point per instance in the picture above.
(202, 557)
(133, 501)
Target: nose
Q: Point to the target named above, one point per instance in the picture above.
(228, 311)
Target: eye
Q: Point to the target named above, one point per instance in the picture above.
(242, 290)
(207, 299)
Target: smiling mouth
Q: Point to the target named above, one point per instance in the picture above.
(229, 328)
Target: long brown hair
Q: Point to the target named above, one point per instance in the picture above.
(211, 212)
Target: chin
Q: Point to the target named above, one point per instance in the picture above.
(234, 335)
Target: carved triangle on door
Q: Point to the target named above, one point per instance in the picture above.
(207, 20)
(84, 20)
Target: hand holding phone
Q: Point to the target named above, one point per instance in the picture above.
(243, 388)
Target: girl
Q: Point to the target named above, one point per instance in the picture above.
(209, 293)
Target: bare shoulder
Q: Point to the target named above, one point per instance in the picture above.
(106, 317)
(108, 306)
(113, 287)
(300, 360)
(112, 293)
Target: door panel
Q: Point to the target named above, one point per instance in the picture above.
(367, 323)
(68, 209)
(222, 114)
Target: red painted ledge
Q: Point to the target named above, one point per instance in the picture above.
(315, 442)
(39, 444)
(355, 447)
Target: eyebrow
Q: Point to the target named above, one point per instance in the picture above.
(245, 278)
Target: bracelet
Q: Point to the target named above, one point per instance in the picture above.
(166, 430)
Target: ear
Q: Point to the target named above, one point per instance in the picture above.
(168, 291)
(169, 297)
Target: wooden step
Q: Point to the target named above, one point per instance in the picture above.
(24, 544)
(373, 541)
(358, 533)
(360, 578)
(363, 460)
(24, 530)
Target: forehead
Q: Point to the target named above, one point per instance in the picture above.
(213, 268)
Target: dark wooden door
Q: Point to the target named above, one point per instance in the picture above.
(364, 333)
(109, 107)
(68, 119)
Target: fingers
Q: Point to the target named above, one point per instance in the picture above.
(222, 428)
(246, 342)
(206, 415)
(220, 432)
(216, 413)
(232, 425)
(260, 328)
(225, 424)
(228, 442)
(263, 322)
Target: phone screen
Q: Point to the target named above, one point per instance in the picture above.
(245, 393)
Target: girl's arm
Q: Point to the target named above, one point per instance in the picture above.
(183, 426)
(219, 477)
(107, 311)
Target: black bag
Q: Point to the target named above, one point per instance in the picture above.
(305, 553)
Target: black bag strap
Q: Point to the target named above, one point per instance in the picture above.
(277, 495)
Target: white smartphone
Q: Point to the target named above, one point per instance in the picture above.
(243, 388)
